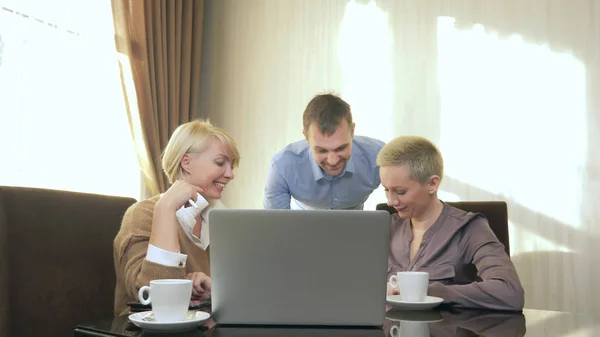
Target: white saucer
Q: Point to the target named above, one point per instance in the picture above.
(145, 320)
(429, 303)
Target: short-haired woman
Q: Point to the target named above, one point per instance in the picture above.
(430, 235)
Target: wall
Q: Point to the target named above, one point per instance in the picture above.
(507, 89)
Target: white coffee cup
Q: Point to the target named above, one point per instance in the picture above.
(412, 285)
(170, 298)
(410, 329)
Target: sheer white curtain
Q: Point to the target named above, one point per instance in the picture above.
(63, 123)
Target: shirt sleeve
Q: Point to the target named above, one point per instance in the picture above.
(277, 191)
(165, 257)
(499, 288)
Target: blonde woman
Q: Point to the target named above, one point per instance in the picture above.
(158, 237)
(430, 235)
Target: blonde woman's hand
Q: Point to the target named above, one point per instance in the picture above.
(201, 284)
(165, 225)
(178, 195)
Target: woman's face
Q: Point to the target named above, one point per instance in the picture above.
(408, 196)
(211, 169)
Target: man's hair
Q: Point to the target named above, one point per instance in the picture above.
(422, 157)
(327, 111)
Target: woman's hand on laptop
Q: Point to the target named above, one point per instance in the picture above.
(392, 291)
(201, 284)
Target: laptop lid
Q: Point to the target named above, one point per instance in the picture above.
(296, 267)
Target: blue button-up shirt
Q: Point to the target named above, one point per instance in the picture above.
(296, 181)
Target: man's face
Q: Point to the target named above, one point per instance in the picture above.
(331, 152)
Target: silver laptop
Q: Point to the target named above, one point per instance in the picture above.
(297, 267)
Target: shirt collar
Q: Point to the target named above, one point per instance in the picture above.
(316, 169)
(349, 166)
(437, 224)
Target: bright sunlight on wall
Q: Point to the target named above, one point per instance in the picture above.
(513, 121)
(365, 55)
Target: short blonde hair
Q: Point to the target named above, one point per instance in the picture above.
(422, 157)
(194, 136)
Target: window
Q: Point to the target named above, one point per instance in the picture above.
(63, 123)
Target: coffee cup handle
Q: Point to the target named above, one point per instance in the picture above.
(394, 281)
(141, 295)
(394, 331)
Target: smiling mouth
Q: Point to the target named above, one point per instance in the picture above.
(220, 185)
(334, 167)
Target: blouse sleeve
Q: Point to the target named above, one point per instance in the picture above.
(500, 288)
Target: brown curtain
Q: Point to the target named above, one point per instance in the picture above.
(159, 44)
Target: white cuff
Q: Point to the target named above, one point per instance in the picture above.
(165, 257)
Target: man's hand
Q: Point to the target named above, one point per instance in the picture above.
(201, 284)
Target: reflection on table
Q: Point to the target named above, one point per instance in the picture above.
(536, 323)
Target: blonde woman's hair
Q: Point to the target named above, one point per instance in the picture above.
(194, 137)
(422, 157)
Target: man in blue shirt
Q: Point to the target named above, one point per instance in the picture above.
(330, 169)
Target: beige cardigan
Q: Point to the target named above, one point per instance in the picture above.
(130, 246)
